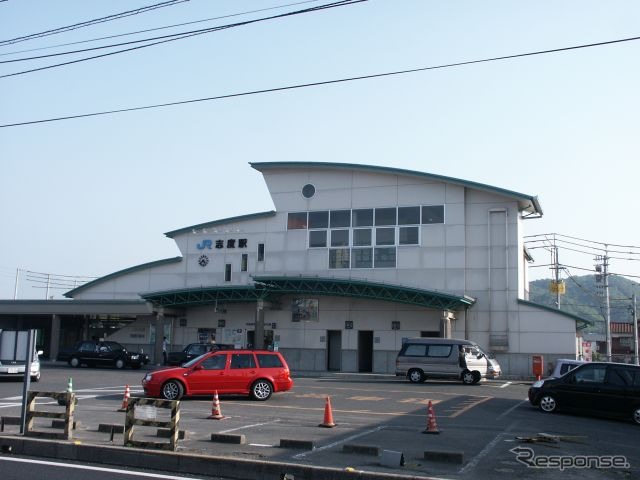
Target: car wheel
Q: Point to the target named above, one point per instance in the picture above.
(119, 363)
(36, 377)
(415, 375)
(172, 390)
(636, 415)
(468, 377)
(548, 404)
(476, 377)
(74, 362)
(261, 390)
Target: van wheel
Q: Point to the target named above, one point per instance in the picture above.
(636, 415)
(415, 375)
(468, 377)
(476, 376)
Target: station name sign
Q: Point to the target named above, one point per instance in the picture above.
(209, 244)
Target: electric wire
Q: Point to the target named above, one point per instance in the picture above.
(89, 23)
(157, 28)
(314, 84)
(174, 37)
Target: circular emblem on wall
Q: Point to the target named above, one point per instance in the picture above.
(203, 261)
(308, 191)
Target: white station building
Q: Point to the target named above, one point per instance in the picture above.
(353, 259)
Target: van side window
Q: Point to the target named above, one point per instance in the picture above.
(620, 376)
(591, 374)
(439, 350)
(416, 351)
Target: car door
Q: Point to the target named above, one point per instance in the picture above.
(242, 371)
(208, 376)
(88, 352)
(195, 350)
(613, 394)
(581, 389)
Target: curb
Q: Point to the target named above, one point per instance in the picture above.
(192, 464)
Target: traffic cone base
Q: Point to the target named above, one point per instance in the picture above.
(328, 415)
(216, 413)
(432, 427)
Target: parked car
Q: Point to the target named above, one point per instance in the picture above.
(13, 346)
(606, 389)
(257, 373)
(424, 357)
(194, 350)
(98, 354)
(564, 365)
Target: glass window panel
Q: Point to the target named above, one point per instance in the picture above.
(385, 258)
(318, 219)
(362, 217)
(362, 237)
(339, 258)
(385, 216)
(317, 238)
(362, 257)
(408, 236)
(408, 215)
(433, 214)
(340, 218)
(297, 220)
(385, 236)
(339, 238)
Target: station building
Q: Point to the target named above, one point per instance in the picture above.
(353, 259)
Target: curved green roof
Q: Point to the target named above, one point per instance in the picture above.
(121, 273)
(223, 221)
(270, 288)
(527, 202)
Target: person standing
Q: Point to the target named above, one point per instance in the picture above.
(165, 344)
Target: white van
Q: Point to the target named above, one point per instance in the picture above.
(422, 358)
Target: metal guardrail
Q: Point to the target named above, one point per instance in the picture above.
(67, 399)
(172, 424)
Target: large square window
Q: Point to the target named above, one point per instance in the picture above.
(385, 236)
(340, 218)
(384, 258)
(339, 258)
(362, 237)
(385, 216)
(433, 214)
(318, 219)
(408, 215)
(339, 238)
(362, 258)
(297, 220)
(317, 238)
(408, 236)
(362, 217)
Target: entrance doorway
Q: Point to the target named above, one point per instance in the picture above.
(365, 350)
(334, 350)
(268, 339)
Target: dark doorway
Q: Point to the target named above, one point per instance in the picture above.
(365, 350)
(334, 350)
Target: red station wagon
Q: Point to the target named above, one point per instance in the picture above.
(257, 373)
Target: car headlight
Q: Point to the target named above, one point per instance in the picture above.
(538, 384)
(148, 377)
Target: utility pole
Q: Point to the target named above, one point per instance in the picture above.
(635, 332)
(603, 269)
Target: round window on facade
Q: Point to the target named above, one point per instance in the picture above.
(308, 191)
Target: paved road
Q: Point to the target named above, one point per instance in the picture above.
(482, 423)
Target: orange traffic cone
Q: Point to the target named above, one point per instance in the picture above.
(125, 399)
(328, 415)
(216, 414)
(432, 427)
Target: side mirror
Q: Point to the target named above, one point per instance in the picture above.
(198, 367)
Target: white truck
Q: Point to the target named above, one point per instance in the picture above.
(13, 355)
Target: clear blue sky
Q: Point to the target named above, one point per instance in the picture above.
(93, 196)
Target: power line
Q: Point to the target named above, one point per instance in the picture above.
(171, 38)
(157, 28)
(89, 23)
(315, 84)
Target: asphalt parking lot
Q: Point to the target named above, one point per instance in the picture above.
(485, 431)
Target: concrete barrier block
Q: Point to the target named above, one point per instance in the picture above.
(108, 427)
(391, 458)
(300, 444)
(361, 449)
(443, 456)
(166, 433)
(60, 424)
(228, 438)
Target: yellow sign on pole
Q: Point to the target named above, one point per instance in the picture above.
(558, 287)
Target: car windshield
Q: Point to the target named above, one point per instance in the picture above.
(193, 361)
